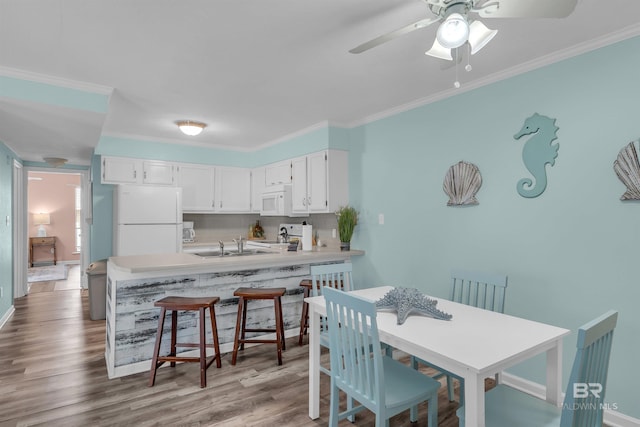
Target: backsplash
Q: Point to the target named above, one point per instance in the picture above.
(214, 227)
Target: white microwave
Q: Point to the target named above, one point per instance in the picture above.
(276, 201)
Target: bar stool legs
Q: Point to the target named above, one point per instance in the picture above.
(186, 304)
(246, 294)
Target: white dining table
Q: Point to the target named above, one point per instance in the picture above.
(474, 344)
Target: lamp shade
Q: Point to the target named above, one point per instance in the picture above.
(41, 218)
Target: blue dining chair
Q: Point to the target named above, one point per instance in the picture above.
(336, 276)
(478, 289)
(378, 382)
(584, 399)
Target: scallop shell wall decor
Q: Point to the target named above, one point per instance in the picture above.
(461, 184)
(627, 167)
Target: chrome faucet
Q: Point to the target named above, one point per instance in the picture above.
(221, 247)
(238, 241)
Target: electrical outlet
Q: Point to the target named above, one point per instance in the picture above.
(1, 292)
(333, 233)
(381, 219)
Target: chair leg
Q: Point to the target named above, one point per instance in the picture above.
(243, 332)
(304, 318)
(450, 388)
(333, 407)
(203, 350)
(433, 411)
(237, 335)
(413, 414)
(279, 327)
(174, 335)
(156, 350)
(214, 332)
(280, 317)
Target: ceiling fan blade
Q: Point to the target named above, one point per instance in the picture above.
(394, 34)
(527, 8)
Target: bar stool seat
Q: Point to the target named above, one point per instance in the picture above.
(173, 304)
(245, 295)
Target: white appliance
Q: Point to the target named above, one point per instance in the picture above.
(276, 201)
(188, 233)
(147, 220)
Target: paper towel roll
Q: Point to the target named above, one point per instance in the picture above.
(307, 235)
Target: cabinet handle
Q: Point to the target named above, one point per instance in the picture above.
(309, 201)
(135, 174)
(145, 175)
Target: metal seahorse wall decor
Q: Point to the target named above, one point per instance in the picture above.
(537, 152)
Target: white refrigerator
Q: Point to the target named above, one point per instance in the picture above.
(147, 220)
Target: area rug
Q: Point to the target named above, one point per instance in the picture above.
(47, 273)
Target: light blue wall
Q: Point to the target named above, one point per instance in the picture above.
(6, 229)
(570, 254)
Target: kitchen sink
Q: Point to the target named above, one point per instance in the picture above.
(212, 254)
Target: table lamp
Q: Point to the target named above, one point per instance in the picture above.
(41, 219)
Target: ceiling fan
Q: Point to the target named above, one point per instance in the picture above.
(458, 26)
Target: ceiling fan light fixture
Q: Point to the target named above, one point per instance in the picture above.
(439, 51)
(453, 32)
(191, 128)
(479, 36)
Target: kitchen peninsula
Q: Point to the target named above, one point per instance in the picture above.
(135, 282)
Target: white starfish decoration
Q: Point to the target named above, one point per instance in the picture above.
(408, 300)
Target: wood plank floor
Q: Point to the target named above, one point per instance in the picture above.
(52, 372)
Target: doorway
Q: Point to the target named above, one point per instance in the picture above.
(55, 211)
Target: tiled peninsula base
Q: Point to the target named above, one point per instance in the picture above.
(132, 319)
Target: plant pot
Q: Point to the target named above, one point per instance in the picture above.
(345, 246)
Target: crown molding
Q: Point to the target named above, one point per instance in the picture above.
(55, 81)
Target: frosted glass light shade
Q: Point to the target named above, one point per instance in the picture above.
(191, 128)
(479, 36)
(453, 32)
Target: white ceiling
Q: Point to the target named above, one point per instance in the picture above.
(256, 71)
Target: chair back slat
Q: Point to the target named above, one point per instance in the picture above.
(353, 331)
(584, 399)
(332, 275)
(478, 289)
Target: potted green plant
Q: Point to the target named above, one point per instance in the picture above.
(347, 221)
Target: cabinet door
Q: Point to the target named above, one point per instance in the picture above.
(278, 173)
(119, 170)
(317, 182)
(197, 182)
(235, 190)
(257, 188)
(299, 202)
(157, 173)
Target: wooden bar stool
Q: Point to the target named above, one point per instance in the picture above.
(246, 294)
(304, 316)
(186, 304)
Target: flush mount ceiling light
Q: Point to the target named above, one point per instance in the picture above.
(55, 162)
(191, 128)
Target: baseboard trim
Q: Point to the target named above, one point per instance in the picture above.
(611, 418)
(7, 316)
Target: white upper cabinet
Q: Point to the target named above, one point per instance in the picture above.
(320, 182)
(233, 187)
(198, 185)
(258, 185)
(119, 170)
(124, 170)
(157, 172)
(278, 173)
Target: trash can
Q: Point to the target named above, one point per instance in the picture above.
(97, 282)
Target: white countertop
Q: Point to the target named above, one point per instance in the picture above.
(193, 263)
